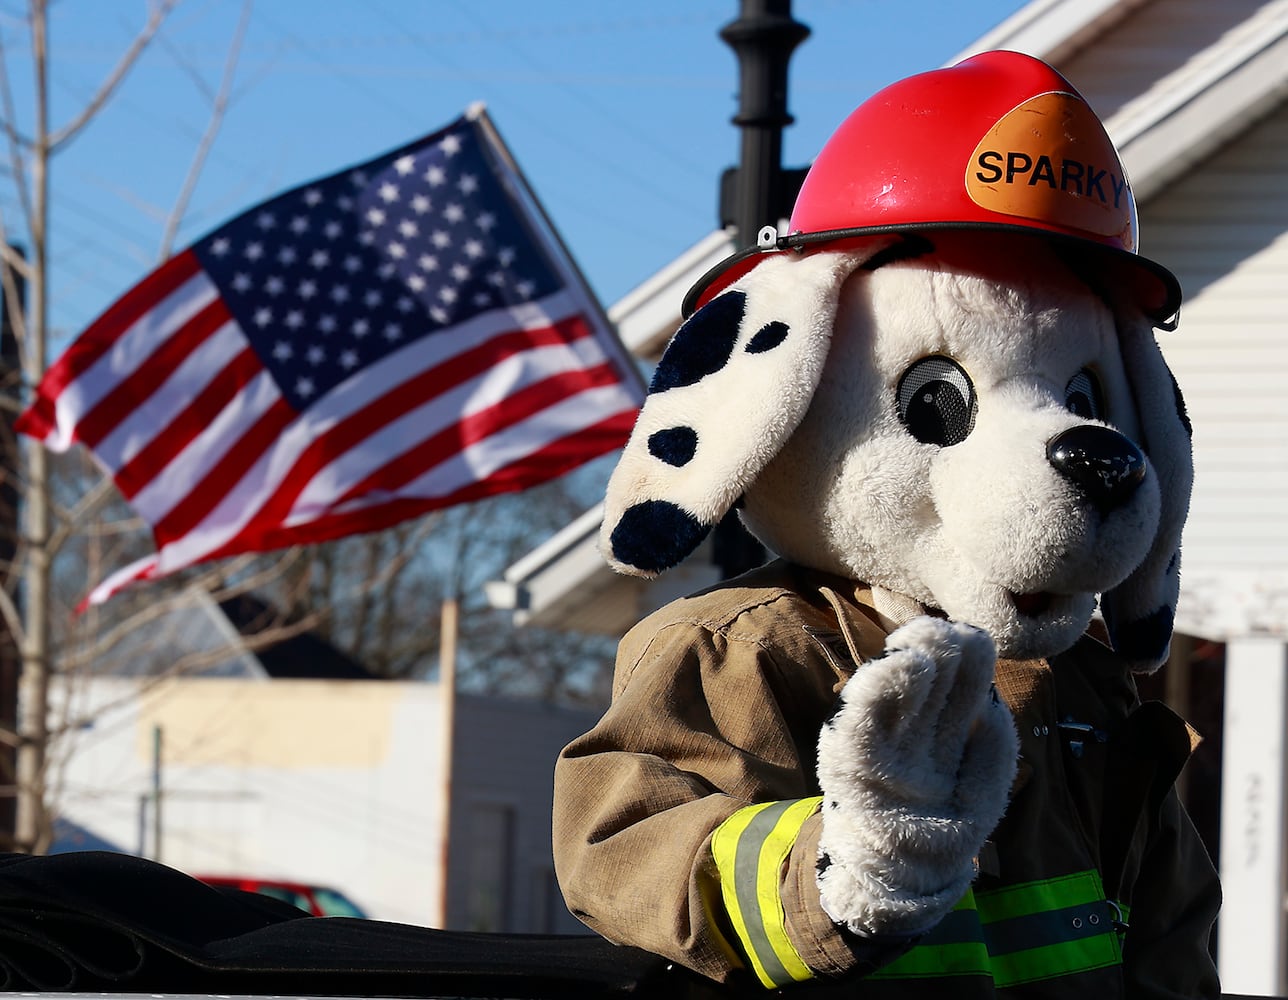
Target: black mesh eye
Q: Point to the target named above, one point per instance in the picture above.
(1083, 395)
(937, 401)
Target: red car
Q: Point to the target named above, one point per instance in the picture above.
(319, 900)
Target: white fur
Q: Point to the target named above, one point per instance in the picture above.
(915, 767)
(967, 527)
(744, 412)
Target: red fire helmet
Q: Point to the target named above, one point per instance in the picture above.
(999, 142)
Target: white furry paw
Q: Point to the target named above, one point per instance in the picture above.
(915, 765)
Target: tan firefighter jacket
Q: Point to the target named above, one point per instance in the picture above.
(686, 821)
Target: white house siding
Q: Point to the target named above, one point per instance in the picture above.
(1223, 230)
(1155, 47)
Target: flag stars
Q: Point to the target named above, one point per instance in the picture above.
(387, 270)
(405, 165)
(373, 298)
(505, 256)
(333, 230)
(468, 184)
(450, 145)
(286, 256)
(305, 387)
(340, 293)
(360, 328)
(376, 216)
(294, 319)
(349, 360)
(220, 246)
(435, 176)
(486, 221)
(307, 289)
(326, 324)
(438, 314)
(300, 225)
(241, 282)
(448, 295)
(460, 272)
(353, 263)
(315, 355)
(266, 220)
(313, 197)
(282, 351)
(420, 204)
(263, 316)
(274, 285)
(254, 251)
(406, 304)
(441, 240)
(396, 251)
(474, 248)
(453, 213)
(393, 332)
(408, 229)
(416, 283)
(389, 192)
(427, 262)
(525, 289)
(319, 259)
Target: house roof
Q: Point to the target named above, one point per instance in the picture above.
(1180, 117)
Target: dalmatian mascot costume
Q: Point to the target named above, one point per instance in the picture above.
(906, 757)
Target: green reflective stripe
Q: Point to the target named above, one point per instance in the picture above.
(954, 947)
(1062, 959)
(1044, 894)
(749, 849)
(1019, 934)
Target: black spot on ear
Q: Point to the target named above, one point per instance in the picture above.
(767, 337)
(1143, 639)
(702, 345)
(656, 535)
(823, 863)
(1181, 410)
(674, 445)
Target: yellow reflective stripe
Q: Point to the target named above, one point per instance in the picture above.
(749, 849)
(1019, 934)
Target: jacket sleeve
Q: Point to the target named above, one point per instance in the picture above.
(686, 823)
(1175, 899)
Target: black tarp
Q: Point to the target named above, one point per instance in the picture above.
(102, 922)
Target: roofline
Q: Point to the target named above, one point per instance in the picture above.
(1160, 139)
(1052, 30)
(649, 313)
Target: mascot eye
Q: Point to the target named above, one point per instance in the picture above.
(1083, 396)
(937, 401)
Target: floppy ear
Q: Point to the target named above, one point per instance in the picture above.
(1139, 612)
(732, 386)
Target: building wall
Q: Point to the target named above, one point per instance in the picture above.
(334, 782)
(1223, 229)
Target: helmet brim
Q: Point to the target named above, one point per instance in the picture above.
(1149, 285)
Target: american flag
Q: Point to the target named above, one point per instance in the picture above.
(395, 338)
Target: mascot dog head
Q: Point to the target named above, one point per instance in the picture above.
(969, 413)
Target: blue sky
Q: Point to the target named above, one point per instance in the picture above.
(618, 113)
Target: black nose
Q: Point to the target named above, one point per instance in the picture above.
(1102, 463)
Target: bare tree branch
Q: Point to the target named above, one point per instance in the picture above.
(218, 108)
(17, 142)
(156, 16)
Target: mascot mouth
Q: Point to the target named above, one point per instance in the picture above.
(1032, 605)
